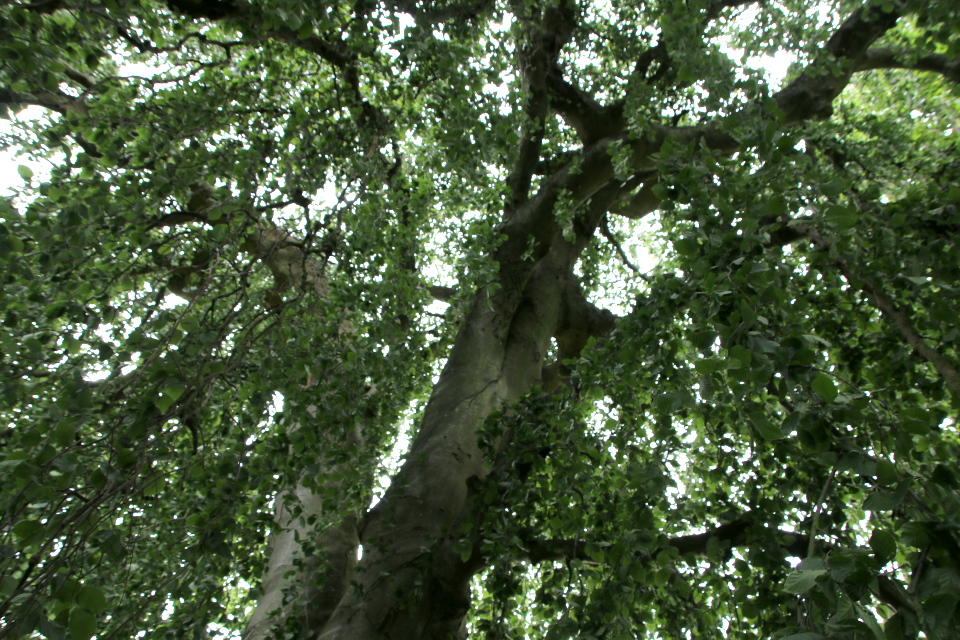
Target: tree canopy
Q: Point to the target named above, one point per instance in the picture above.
(488, 318)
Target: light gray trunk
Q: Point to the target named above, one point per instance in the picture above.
(412, 581)
(311, 560)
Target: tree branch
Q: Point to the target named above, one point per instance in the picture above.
(444, 294)
(734, 534)
(579, 110)
(890, 308)
(537, 55)
(884, 58)
(811, 95)
(432, 16)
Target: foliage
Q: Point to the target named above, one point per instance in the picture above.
(253, 233)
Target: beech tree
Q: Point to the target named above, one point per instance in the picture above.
(399, 319)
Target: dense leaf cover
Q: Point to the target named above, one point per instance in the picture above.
(264, 227)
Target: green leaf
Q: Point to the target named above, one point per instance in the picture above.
(886, 500)
(884, 545)
(174, 390)
(26, 528)
(65, 433)
(25, 172)
(740, 356)
(674, 401)
(685, 247)
(8, 585)
(824, 386)
(92, 599)
(83, 624)
(800, 581)
(887, 473)
(765, 427)
(833, 188)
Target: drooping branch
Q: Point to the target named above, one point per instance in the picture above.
(884, 58)
(891, 309)
(739, 533)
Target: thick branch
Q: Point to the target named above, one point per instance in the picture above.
(643, 202)
(589, 119)
(883, 58)
(432, 16)
(593, 121)
(443, 294)
(537, 55)
(59, 102)
(811, 95)
(579, 321)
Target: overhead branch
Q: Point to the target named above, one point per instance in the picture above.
(443, 294)
(884, 58)
(427, 15)
(40, 6)
(641, 203)
(289, 261)
(811, 95)
(593, 121)
(740, 533)
(579, 321)
(579, 110)
(59, 102)
(208, 9)
(543, 44)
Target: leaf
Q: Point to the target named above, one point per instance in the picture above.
(824, 386)
(65, 433)
(800, 581)
(886, 500)
(833, 188)
(765, 427)
(887, 472)
(842, 217)
(83, 624)
(740, 356)
(685, 247)
(92, 599)
(25, 172)
(174, 390)
(8, 585)
(674, 401)
(708, 366)
(25, 528)
(884, 545)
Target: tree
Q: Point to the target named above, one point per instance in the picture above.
(288, 249)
